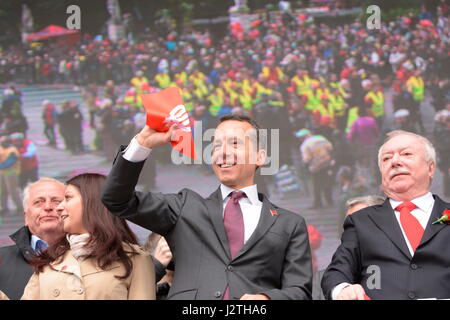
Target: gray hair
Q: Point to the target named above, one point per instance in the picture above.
(430, 152)
(371, 200)
(26, 191)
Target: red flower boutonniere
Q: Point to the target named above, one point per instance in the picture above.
(445, 218)
(274, 212)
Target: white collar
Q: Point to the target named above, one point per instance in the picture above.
(423, 202)
(250, 191)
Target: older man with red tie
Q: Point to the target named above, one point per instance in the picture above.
(393, 250)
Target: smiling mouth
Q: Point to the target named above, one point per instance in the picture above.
(226, 165)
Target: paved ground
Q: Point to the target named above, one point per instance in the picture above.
(59, 163)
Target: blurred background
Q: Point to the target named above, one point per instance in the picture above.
(315, 70)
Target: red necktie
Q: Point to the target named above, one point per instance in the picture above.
(234, 227)
(410, 225)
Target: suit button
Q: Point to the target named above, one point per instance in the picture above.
(414, 266)
(56, 292)
(230, 268)
(411, 295)
(80, 291)
(218, 294)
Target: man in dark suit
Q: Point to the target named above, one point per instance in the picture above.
(393, 251)
(42, 227)
(233, 245)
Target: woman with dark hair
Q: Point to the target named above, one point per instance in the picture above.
(99, 257)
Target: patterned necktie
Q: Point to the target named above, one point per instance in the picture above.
(234, 227)
(40, 246)
(411, 226)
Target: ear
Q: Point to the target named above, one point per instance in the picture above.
(261, 157)
(431, 169)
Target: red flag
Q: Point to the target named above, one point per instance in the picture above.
(164, 108)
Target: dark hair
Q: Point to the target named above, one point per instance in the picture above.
(244, 118)
(108, 233)
(239, 117)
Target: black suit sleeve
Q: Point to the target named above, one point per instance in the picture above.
(345, 265)
(297, 269)
(160, 270)
(154, 211)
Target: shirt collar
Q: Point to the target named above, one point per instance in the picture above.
(424, 202)
(34, 239)
(250, 191)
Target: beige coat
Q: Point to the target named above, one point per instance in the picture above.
(71, 280)
(3, 296)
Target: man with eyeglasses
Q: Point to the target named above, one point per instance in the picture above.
(42, 227)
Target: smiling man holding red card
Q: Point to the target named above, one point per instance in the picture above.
(235, 244)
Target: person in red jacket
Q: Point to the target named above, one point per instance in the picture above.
(28, 159)
(50, 118)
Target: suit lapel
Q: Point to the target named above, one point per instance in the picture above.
(266, 220)
(214, 203)
(384, 217)
(432, 229)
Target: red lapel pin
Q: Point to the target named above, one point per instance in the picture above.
(274, 212)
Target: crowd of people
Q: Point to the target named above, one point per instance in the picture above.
(19, 163)
(289, 73)
(326, 89)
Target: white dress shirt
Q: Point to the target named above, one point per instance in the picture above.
(135, 152)
(422, 213)
(250, 205)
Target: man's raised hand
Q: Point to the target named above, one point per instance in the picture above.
(150, 138)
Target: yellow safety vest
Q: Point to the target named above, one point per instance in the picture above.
(197, 79)
(187, 97)
(246, 101)
(266, 72)
(377, 107)
(181, 76)
(138, 81)
(163, 80)
(336, 105)
(417, 88)
(216, 101)
(315, 98)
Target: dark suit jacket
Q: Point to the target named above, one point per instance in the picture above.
(317, 293)
(372, 237)
(14, 268)
(276, 260)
